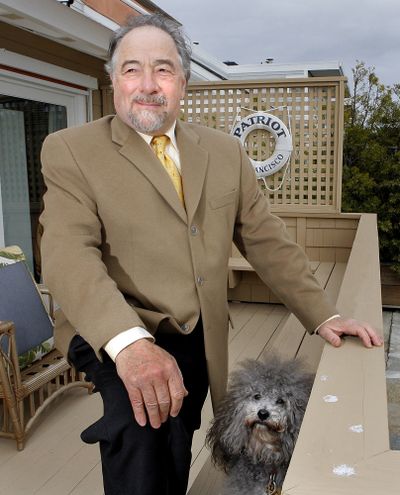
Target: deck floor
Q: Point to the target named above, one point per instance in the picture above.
(55, 461)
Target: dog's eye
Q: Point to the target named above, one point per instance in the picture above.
(257, 396)
(280, 401)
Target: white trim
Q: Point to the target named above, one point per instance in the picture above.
(136, 7)
(75, 103)
(35, 88)
(92, 14)
(203, 59)
(18, 61)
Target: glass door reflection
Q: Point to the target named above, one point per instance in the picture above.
(24, 124)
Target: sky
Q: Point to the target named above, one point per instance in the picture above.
(250, 31)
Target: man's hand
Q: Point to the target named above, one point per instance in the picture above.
(333, 329)
(153, 381)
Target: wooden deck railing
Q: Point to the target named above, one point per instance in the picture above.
(343, 447)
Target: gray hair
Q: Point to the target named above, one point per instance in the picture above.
(159, 21)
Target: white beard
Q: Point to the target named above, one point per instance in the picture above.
(147, 121)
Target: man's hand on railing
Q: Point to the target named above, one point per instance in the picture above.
(334, 329)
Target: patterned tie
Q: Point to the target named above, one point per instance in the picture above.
(159, 143)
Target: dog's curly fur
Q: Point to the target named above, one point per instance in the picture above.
(255, 428)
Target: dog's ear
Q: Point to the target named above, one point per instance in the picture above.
(299, 400)
(227, 435)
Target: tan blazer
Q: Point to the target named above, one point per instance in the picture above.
(119, 250)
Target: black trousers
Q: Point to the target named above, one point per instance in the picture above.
(140, 460)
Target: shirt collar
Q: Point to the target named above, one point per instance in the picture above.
(170, 133)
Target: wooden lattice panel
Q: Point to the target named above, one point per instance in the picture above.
(312, 109)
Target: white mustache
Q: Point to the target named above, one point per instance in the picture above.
(156, 99)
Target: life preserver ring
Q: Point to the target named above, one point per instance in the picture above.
(283, 141)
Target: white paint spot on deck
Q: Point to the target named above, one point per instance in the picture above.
(356, 428)
(324, 378)
(392, 375)
(330, 398)
(344, 470)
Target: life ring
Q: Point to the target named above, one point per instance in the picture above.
(283, 141)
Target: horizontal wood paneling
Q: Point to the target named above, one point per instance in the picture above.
(324, 239)
(34, 46)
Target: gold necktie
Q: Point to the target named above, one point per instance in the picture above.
(159, 143)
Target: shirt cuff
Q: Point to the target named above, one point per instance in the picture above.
(123, 339)
(326, 321)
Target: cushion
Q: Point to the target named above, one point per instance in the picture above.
(21, 302)
(11, 254)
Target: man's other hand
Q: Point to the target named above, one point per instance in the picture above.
(153, 381)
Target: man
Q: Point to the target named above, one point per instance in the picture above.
(132, 255)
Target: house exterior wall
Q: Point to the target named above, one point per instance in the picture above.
(22, 42)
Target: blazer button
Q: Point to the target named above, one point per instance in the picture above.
(185, 327)
(194, 230)
(200, 280)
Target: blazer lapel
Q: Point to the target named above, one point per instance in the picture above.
(134, 148)
(194, 162)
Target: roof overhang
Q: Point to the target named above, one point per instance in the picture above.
(58, 23)
(222, 71)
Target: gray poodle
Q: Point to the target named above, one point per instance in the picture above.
(255, 428)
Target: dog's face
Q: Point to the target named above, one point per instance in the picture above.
(261, 414)
(266, 415)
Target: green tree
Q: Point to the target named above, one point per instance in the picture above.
(371, 165)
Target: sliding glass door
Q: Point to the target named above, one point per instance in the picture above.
(23, 126)
(28, 113)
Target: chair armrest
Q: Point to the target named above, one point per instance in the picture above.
(8, 352)
(44, 291)
(6, 327)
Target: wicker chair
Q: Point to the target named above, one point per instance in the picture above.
(25, 393)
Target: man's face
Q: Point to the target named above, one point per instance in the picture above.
(148, 80)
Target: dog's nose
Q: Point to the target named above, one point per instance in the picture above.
(263, 414)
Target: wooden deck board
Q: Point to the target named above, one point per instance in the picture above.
(75, 470)
(92, 483)
(287, 342)
(240, 318)
(253, 325)
(240, 339)
(51, 449)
